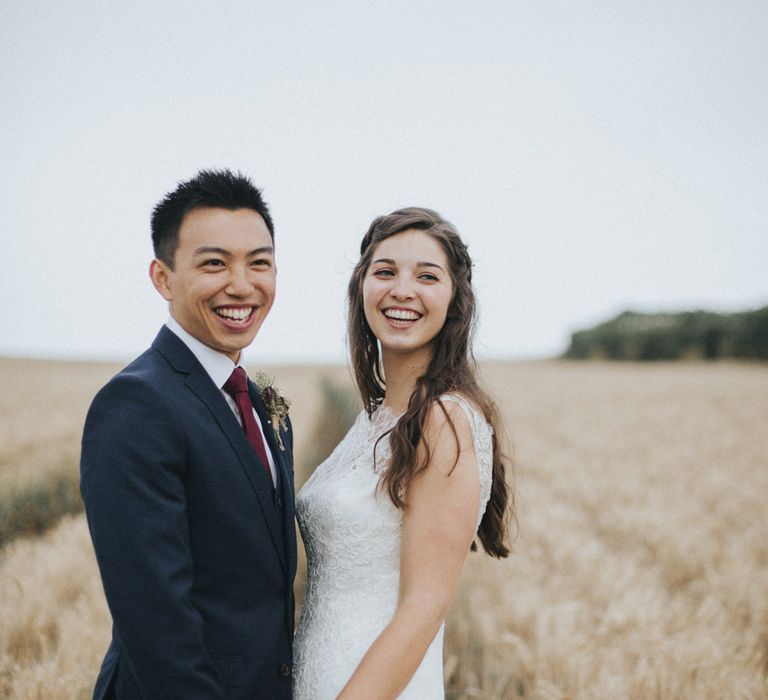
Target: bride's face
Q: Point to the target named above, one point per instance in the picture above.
(407, 291)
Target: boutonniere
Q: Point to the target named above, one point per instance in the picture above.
(277, 405)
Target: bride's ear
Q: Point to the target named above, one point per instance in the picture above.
(162, 278)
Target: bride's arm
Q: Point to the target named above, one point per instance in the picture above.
(439, 523)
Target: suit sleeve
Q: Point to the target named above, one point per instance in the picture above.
(132, 481)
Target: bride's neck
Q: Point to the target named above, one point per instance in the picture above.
(400, 375)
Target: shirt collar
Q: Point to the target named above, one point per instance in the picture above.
(218, 366)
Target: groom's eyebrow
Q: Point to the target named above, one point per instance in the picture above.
(209, 249)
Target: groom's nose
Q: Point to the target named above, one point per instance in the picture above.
(239, 284)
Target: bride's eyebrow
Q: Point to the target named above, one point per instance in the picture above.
(421, 263)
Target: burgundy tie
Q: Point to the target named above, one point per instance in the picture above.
(237, 387)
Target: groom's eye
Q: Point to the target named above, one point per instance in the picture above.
(213, 262)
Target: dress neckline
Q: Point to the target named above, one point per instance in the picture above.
(384, 416)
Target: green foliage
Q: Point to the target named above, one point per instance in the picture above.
(340, 406)
(32, 509)
(688, 335)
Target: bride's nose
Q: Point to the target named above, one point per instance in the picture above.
(402, 288)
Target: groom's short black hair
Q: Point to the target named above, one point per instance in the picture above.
(209, 188)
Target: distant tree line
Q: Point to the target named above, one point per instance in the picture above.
(678, 336)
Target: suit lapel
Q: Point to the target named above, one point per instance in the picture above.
(207, 392)
(282, 468)
(199, 382)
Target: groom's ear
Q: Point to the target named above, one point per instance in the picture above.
(161, 278)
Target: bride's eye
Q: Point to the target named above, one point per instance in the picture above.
(383, 272)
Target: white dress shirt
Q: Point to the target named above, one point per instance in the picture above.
(219, 368)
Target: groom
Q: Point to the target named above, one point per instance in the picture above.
(187, 474)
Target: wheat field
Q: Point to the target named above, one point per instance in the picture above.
(640, 567)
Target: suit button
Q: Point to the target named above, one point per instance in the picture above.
(285, 669)
(279, 502)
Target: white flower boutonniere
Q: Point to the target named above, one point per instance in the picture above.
(277, 405)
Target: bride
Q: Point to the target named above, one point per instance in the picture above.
(390, 516)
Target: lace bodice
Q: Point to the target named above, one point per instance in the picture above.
(351, 534)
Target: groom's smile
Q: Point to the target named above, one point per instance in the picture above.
(222, 284)
(236, 315)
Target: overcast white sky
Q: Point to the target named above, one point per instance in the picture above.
(596, 156)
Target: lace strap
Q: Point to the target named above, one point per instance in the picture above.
(482, 436)
(476, 418)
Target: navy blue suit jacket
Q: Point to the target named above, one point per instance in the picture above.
(197, 551)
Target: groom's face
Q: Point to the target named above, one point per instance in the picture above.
(223, 282)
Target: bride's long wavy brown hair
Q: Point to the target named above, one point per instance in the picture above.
(451, 369)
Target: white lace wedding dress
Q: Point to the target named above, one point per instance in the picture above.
(352, 538)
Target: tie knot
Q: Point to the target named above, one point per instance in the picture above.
(237, 382)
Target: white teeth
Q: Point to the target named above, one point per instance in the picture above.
(402, 315)
(235, 314)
